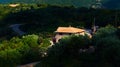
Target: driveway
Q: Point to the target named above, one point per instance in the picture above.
(29, 65)
(15, 28)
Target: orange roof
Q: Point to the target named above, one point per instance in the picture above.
(14, 5)
(69, 30)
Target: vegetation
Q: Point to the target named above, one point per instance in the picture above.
(81, 51)
(77, 3)
(23, 50)
(44, 19)
(73, 51)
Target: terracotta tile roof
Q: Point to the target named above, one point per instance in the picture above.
(69, 30)
(14, 5)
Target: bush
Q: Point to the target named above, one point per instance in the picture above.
(107, 50)
(107, 46)
(22, 50)
(66, 53)
(118, 32)
(60, 54)
(10, 58)
(31, 40)
(104, 32)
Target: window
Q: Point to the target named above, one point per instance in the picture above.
(69, 33)
(60, 33)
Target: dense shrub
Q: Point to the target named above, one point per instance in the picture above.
(104, 32)
(107, 50)
(23, 50)
(10, 58)
(66, 52)
(118, 32)
(107, 46)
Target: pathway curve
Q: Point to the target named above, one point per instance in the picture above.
(29, 65)
(15, 28)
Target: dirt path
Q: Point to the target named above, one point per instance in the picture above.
(15, 28)
(29, 65)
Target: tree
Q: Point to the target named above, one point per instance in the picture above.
(118, 32)
(104, 32)
(65, 51)
(107, 50)
(31, 40)
(107, 46)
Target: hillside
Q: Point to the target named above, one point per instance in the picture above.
(112, 4)
(76, 3)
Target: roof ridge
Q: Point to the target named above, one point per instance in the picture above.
(69, 29)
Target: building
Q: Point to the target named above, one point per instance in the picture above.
(66, 31)
(97, 4)
(14, 5)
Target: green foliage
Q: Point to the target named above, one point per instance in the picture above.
(23, 50)
(107, 50)
(70, 45)
(107, 31)
(76, 41)
(107, 46)
(9, 57)
(45, 43)
(77, 3)
(43, 47)
(44, 18)
(104, 32)
(31, 40)
(118, 32)
(66, 50)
